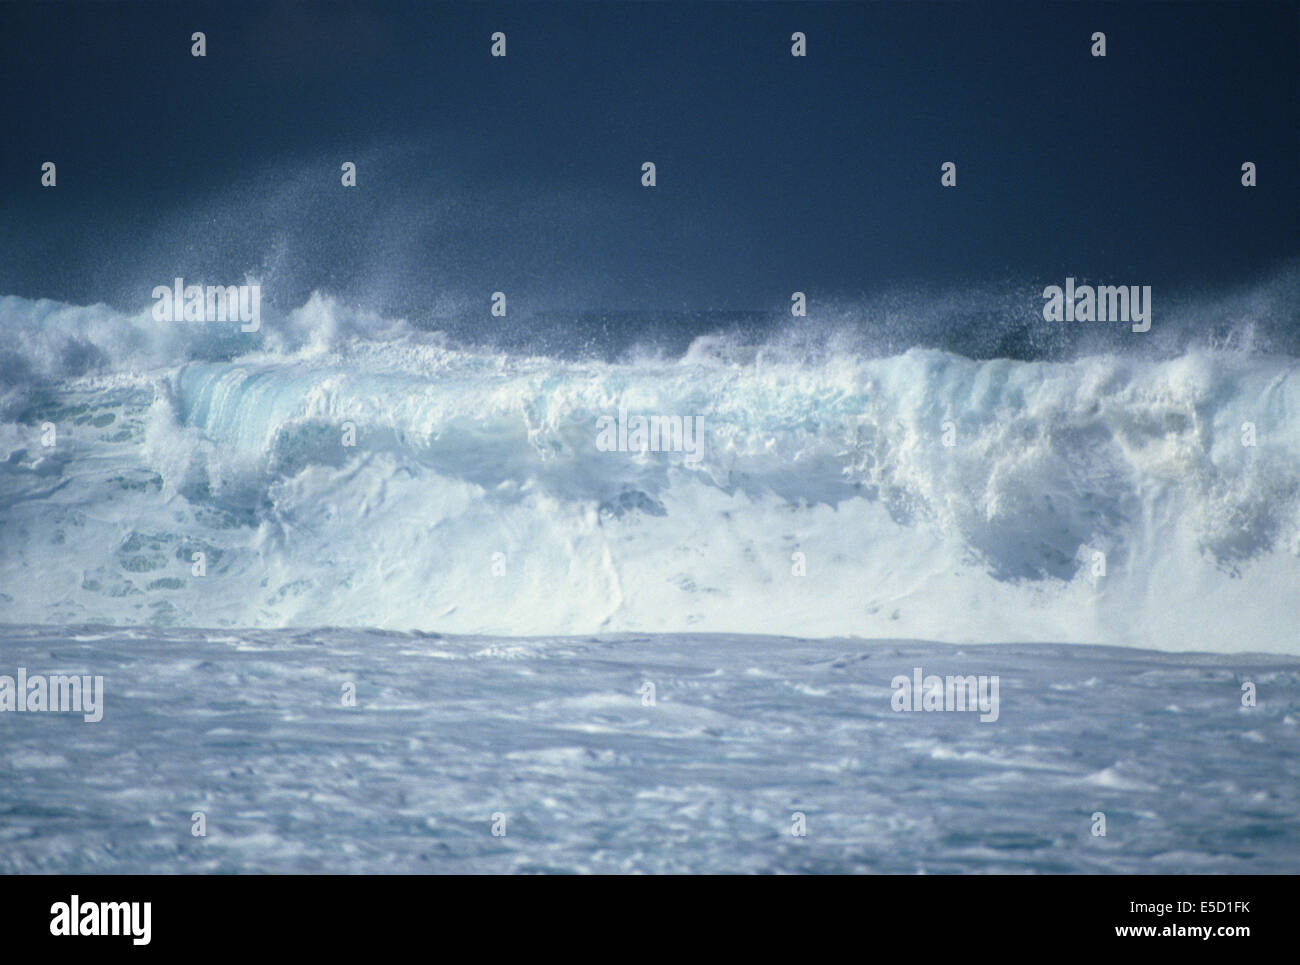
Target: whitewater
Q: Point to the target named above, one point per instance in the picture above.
(551, 740)
(367, 600)
(476, 501)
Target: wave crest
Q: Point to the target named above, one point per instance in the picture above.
(926, 494)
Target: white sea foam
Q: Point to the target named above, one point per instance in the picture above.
(176, 439)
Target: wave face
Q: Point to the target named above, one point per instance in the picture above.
(825, 500)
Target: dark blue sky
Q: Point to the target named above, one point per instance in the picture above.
(522, 174)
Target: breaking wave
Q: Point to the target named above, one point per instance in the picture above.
(921, 494)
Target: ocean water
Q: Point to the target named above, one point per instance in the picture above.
(554, 736)
(368, 591)
(1091, 530)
